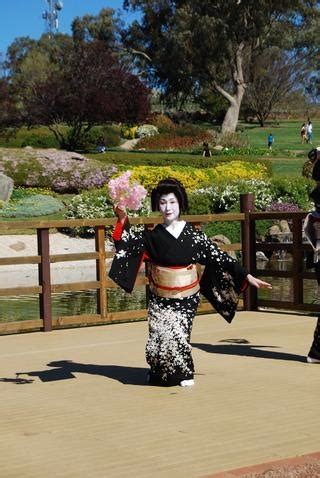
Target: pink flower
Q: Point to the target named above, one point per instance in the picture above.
(126, 194)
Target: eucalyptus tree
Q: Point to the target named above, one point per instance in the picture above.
(211, 44)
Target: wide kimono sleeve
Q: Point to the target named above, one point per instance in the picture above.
(130, 247)
(223, 278)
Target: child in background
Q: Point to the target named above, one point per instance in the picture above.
(270, 141)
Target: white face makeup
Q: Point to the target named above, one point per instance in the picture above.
(169, 208)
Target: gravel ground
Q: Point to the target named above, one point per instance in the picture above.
(307, 470)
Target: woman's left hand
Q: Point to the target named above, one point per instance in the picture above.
(259, 284)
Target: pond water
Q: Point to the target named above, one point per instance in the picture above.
(17, 308)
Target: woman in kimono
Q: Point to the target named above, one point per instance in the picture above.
(312, 231)
(173, 249)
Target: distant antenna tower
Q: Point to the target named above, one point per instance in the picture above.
(50, 16)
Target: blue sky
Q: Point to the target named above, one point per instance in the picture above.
(24, 17)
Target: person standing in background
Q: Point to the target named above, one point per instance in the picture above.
(309, 132)
(270, 141)
(303, 133)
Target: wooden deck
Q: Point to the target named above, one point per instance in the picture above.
(74, 402)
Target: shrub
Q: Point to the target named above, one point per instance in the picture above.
(37, 137)
(61, 175)
(293, 191)
(163, 123)
(223, 197)
(88, 205)
(200, 202)
(20, 192)
(173, 142)
(31, 206)
(230, 140)
(235, 170)
(232, 230)
(128, 132)
(147, 131)
(191, 178)
(111, 135)
(24, 172)
(279, 206)
(95, 204)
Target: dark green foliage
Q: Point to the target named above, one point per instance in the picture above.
(38, 137)
(32, 206)
(232, 230)
(145, 158)
(21, 172)
(200, 203)
(293, 190)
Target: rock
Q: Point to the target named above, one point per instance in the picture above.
(221, 240)
(274, 230)
(218, 147)
(6, 187)
(260, 255)
(284, 226)
(18, 246)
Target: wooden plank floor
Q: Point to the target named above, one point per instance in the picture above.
(74, 402)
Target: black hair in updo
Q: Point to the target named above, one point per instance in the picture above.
(167, 186)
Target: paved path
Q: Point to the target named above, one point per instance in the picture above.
(74, 402)
(129, 144)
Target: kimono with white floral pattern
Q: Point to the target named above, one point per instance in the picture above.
(168, 350)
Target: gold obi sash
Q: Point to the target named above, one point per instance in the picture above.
(173, 282)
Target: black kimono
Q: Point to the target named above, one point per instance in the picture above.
(312, 231)
(168, 350)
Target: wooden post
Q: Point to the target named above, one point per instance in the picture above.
(101, 271)
(44, 279)
(248, 241)
(297, 261)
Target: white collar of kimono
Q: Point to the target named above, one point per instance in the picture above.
(175, 228)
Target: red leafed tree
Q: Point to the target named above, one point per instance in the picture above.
(86, 86)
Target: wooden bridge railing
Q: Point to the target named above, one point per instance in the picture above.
(45, 288)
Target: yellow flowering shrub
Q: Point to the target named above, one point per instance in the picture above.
(129, 132)
(196, 178)
(191, 178)
(235, 170)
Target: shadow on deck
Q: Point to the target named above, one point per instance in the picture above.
(82, 407)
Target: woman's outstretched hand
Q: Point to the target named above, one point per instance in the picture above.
(121, 213)
(259, 284)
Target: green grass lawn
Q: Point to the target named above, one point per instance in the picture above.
(286, 135)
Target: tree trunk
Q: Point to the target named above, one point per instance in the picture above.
(230, 121)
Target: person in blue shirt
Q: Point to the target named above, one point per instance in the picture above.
(270, 141)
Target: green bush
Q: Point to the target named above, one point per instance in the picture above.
(232, 230)
(293, 191)
(200, 203)
(22, 170)
(21, 193)
(88, 205)
(37, 137)
(111, 135)
(32, 206)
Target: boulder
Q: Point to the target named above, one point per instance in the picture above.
(221, 240)
(6, 187)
